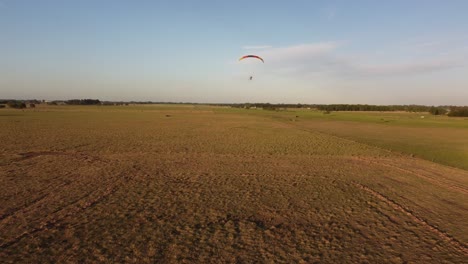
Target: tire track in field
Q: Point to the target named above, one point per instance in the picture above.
(78, 155)
(445, 184)
(459, 246)
(54, 222)
(14, 211)
(36, 201)
(72, 209)
(28, 155)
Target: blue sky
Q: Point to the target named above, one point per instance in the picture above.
(374, 52)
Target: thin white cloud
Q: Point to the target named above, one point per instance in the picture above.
(428, 44)
(300, 53)
(408, 68)
(257, 47)
(311, 59)
(441, 44)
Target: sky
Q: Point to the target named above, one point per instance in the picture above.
(368, 52)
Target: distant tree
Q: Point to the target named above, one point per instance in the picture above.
(269, 107)
(437, 110)
(33, 101)
(11, 104)
(2, 106)
(32, 105)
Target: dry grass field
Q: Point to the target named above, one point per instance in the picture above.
(185, 184)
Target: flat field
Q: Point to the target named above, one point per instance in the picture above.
(185, 184)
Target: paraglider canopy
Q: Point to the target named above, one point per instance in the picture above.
(251, 56)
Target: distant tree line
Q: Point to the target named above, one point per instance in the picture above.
(83, 102)
(114, 103)
(341, 107)
(434, 110)
(327, 108)
(358, 107)
(458, 111)
(18, 104)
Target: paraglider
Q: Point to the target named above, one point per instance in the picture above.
(254, 57)
(251, 56)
